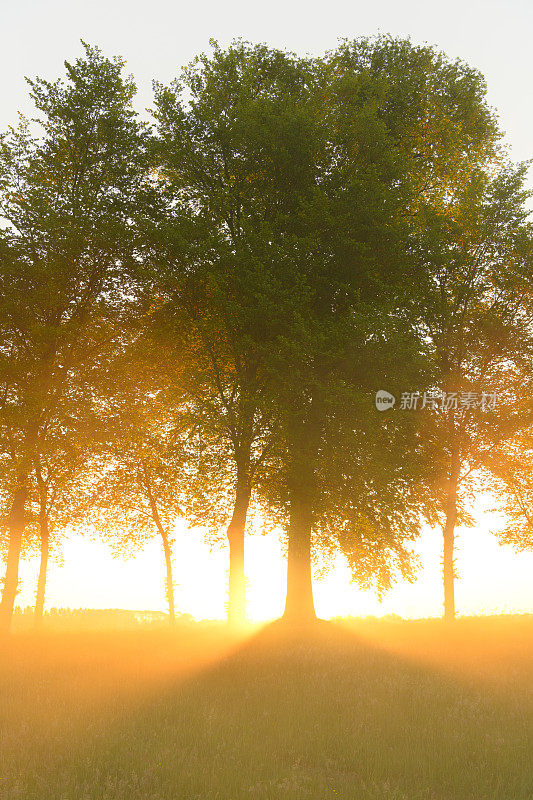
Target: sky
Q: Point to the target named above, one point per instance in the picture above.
(157, 38)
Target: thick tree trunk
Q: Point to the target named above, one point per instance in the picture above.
(43, 570)
(304, 437)
(448, 559)
(299, 603)
(235, 534)
(16, 523)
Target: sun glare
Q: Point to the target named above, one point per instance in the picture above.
(492, 578)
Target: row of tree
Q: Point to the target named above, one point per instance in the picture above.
(196, 312)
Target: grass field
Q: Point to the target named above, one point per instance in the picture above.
(365, 710)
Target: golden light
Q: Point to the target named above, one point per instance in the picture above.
(492, 578)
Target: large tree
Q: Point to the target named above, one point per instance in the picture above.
(292, 188)
(399, 124)
(228, 153)
(68, 195)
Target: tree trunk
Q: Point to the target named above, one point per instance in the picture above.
(43, 570)
(169, 580)
(299, 603)
(169, 583)
(448, 568)
(448, 560)
(44, 531)
(304, 437)
(15, 526)
(146, 483)
(16, 523)
(235, 534)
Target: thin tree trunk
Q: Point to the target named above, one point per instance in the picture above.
(448, 568)
(299, 603)
(169, 578)
(44, 531)
(144, 478)
(235, 534)
(43, 570)
(16, 523)
(448, 560)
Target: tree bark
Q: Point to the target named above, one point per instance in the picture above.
(235, 534)
(448, 560)
(145, 481)
(16, 523)
(43, 569)
(304, 437)
(44, 531)
(299, 603)
(448, 568)
(169, 583)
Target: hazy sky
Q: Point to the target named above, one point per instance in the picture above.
(157, 38)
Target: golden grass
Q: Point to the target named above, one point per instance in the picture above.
(360, 709)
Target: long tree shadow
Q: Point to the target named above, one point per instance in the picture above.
(301, 714)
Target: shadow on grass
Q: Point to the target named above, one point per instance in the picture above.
(330, 712)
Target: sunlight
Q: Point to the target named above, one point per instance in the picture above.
(492, 578)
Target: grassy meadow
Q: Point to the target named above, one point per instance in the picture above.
(366, 710)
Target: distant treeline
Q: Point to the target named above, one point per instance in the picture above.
(93, 618)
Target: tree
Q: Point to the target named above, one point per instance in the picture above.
(57, 469)
(224, 182)
(508, 463)
(399, 122)
(134, 483)
(293, 184)
(68, 199)
(479, 319)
